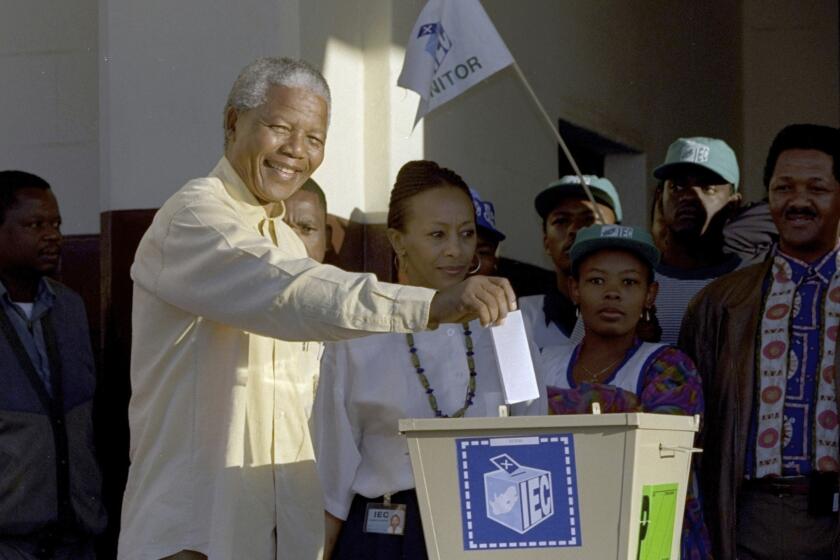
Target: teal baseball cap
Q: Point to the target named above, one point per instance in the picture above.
(710, 154)
(597, 237)
(602, 189)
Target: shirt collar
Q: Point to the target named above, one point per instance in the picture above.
(44, 297)
(822, 269)
(245, 200)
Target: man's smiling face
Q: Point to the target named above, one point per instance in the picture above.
(275, 147)
(805, 203)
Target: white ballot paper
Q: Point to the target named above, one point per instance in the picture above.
(513, 356)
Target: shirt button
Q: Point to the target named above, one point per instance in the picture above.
(450, 332)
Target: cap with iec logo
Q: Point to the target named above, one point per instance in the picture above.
(602, 189)
(710, 154)
(597, 237)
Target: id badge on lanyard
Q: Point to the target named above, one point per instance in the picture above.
(385, 518)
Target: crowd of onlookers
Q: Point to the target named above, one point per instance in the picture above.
(267, 387)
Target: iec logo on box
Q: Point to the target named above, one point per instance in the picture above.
(518, 492)
(513, 483)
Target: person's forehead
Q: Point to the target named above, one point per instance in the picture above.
(32, 199)
(804, 158)
(280, 96)
(613, 258)
(444, 199)
(305, 201)
(305, 197)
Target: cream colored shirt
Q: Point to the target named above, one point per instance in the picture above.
(309, 373)
(221, 458)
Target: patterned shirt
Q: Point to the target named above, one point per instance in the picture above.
(806, 335)
(669, 384)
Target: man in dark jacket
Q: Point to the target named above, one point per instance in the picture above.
(765, 340)
(50, 504)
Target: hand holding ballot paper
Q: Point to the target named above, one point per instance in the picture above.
(513, 356)
(486, 297)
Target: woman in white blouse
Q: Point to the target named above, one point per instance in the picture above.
(368, 384)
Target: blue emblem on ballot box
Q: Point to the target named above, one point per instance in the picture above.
(513, 485)
(518, 492)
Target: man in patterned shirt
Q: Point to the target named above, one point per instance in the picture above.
(765, 340)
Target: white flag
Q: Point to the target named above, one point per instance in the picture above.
(452, 47)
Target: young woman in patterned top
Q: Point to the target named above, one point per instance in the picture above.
(612, 285)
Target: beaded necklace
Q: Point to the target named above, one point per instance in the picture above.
(424, 381)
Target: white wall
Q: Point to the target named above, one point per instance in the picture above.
(165, 71)
(368, 139)
(331, 32)
(48, 101)
(790, 69)
(118, 102)
(167, 68)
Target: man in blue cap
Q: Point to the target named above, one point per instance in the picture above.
(489, 237)
(696, 195)
(564, 209)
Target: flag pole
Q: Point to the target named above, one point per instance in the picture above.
(599, 218)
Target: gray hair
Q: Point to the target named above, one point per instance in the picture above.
(250, 89)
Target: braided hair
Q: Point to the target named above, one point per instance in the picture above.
(416, 177)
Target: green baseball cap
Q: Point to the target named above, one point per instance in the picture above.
(597, 237)
(602, 189)
(706, 153)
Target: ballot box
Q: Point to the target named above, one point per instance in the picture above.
(585, 486)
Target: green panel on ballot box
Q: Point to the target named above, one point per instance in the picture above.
(656, 528)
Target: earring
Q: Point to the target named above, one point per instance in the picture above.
(577, 311)
(477, 265)
(646, 314)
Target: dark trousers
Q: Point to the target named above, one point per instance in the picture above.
(12, 548)
(779, 527)
(354, 544)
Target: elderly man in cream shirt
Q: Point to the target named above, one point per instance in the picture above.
(221, 459)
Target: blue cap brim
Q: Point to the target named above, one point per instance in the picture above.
(493, 234)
